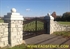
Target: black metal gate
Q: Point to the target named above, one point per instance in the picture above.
(33, 27)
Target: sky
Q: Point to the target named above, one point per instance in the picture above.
(32, 8)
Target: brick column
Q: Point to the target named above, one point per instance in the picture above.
(15, 20)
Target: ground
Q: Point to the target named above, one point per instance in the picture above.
(46, 39)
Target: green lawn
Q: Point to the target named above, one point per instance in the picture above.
(22, 46)
(1, 21)
(64, 23)
(63, 33)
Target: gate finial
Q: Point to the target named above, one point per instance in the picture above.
(13, 10)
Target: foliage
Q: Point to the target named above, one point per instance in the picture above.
(54, 14)
(58, 18)
(66, 16)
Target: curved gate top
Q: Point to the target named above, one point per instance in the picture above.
(33, 27)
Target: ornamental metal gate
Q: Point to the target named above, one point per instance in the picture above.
(33, 27)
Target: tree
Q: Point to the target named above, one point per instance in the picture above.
(58, 18)
(54, 14)
(66, 16)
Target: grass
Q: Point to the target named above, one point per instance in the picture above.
(22, 46)
(31, 26)
(64, 23)
(1, 21)
(63, 33)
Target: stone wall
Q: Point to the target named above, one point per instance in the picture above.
(59, 27)
(3, 34)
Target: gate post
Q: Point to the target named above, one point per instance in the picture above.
(49, 24)
(15, 30)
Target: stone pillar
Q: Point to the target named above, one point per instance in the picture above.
(50, 24)
(15, 20)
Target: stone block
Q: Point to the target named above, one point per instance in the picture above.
(12, 25)
(20, 26)
(6, 29)
(12, 21)
(19, 36)
(1, 44)
(6, 35)
(14, 34)
(6, 43)
(4, 39)
(1, 29)
(19, 29)
(14, 29)
(1, 34)
(13, 43)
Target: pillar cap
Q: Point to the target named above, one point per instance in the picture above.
(51, 17)
(13, 15)
(48, 17)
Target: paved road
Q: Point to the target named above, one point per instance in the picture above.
(46, 39)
